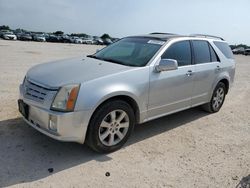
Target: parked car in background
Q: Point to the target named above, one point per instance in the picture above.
(97, 40)
(2, 32)
(239, 50)
(9, 35)
(25, 37)
(247, 51)
(75, 39)
(39, 37)
(78, 41)
(65, 38)
(98, 99)
(87, 41)
(52, 38)
(107, 41)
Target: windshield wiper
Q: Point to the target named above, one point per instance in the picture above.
(93, 56)
(118, 62)
(111, 60)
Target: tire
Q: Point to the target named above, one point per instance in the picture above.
(211, 107)
(113, 121)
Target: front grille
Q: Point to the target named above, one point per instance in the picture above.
(35, 92)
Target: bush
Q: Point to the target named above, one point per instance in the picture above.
(4, 27)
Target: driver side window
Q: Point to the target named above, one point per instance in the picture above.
(180, 51)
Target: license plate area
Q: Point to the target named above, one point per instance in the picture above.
(23, 108)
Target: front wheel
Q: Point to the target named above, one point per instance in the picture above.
(217, 99)
(110, 126)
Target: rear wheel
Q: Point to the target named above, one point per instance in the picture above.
(110, 126)
(217, 99)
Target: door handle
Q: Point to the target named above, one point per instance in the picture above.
(189, 73)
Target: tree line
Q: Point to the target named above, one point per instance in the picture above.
(104, 36)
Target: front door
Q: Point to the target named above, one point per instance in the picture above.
(171, 91)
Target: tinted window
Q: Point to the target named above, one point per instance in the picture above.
(225, 49)
(179, 51)
(201, 52)
(214, 56)
(130, 51)
(123, 50)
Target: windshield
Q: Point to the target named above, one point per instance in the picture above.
(130, 51)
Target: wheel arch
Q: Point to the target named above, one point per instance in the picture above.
(226, 82)
(224, 79)
(128, 99)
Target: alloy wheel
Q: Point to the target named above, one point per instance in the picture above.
(114, 127)
(218, 98)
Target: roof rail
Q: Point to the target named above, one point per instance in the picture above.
(156, 33)
(206, 36)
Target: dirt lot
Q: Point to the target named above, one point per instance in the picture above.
(187, 149)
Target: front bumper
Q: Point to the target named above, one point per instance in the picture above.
(67, 126)
(9, 38)
(70, 126)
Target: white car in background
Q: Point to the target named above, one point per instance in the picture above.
(76, 40)
(9, 36)
(87, 41)
(39, 38)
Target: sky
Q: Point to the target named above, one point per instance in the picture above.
(229, 19)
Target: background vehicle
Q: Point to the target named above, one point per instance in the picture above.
(8, 35)
(74, 39)
(25, 37)
(98, 99)
(107, 41)
(39, 37)
(2, 32)
(64, 38)
(78, 41)
(239, 50)
(87, 41)
(97, 40)
(52, 38)
(247, 51)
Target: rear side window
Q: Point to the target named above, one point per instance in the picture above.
(225, 49)
(180, 51)
(201, 51)
(214, 56)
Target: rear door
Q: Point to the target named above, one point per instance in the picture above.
(207, 67)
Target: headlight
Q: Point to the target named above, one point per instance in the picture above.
(66, 98)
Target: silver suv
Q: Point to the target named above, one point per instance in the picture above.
(99, 98)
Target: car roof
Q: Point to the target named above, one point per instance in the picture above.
(167, 36)
(157, 36)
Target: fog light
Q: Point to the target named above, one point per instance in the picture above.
(52, 123)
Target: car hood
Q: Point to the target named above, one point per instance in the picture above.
(72, 71)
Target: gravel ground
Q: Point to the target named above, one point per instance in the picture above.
(187, 149)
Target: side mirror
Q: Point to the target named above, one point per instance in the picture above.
(166, 65)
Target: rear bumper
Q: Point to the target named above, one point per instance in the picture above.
(70, 126)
